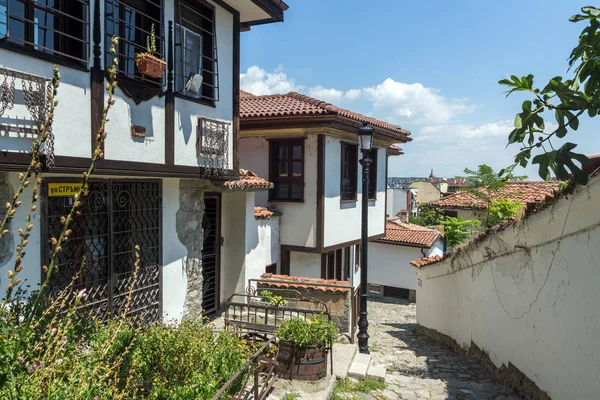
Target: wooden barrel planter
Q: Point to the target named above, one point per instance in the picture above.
(307, 363)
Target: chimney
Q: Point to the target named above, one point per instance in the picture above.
(404, 216)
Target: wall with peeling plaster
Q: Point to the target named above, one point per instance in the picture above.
(528, 295)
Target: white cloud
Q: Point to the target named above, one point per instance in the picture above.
(443, 135)
(413, 103)
(258, 81)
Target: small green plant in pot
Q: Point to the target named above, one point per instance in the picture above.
(147, 63)
(303, 347)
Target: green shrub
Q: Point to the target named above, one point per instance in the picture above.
(307, 332)
(501, 210)
(458, 230)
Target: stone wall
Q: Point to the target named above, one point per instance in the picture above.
(338, 303)
(189, 231)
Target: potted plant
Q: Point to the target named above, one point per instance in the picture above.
(147, 63)
(303, 345)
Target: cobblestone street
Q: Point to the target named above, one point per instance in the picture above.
(418, 367)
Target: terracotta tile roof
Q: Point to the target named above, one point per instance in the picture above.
(403, 232)
(248, 181)
(421, 262)
(394, 150)
(265, 213)
(593, 165)
(244, 95)
(299, 282)
(296, 104)
(527, 192)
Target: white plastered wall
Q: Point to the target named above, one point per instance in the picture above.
(528, 295)
(298, 220)
(343, 220)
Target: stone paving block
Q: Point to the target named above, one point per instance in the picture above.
(360, 365)
(343, 354)
(377, 373)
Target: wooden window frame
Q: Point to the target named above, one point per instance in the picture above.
(335, 264)
(142, 30)
(351, 168)
(277, 180)
(372, 189)
(59, 53)
(208, 56)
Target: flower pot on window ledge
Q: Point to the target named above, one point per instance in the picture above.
(151, 66)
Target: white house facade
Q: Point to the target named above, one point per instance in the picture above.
(309, 150)
(390, 271)
(171, 146)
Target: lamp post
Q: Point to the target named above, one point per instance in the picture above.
(365, 133)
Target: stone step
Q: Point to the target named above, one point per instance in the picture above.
(343, 355)
(359, 367)
(376, 373)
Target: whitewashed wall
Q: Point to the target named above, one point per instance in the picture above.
(298, 220)
(31, 272)
(187, 112)
(262, 242)
(174, 255)
(389, 264)
(72, 116)
(233, 252)
(529, 296)
(72, 125)
(305, 264)
(342, 220)
(396, 201)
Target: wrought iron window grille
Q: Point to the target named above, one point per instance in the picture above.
(35, 91)
(57, 28)
(212, 144)
(116, 216)
(131, 21)
(196, 65)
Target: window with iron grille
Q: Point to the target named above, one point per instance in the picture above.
(116, 216)
(373, 175)
(286, 169)
(132, 22)
(196, 72)
(52, 27)
(349, 170)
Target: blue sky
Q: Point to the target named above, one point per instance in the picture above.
(429, 66)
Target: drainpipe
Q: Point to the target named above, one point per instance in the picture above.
(423, 251)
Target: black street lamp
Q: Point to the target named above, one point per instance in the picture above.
(365, 134)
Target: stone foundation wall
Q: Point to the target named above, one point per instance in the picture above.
(189, 231)
(507, 375)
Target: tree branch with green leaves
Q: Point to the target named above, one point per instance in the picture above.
(567, 99)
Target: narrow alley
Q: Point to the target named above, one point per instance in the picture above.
(420, 368)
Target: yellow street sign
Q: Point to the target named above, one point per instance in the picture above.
(62, 189)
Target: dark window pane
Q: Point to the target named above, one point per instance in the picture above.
(297, 168)
(297, 152)
(283, 152)
(283, 168)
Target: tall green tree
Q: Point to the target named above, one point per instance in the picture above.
(564, 101)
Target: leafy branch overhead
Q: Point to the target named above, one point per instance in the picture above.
(567, 100)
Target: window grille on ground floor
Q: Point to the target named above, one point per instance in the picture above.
(115, 217)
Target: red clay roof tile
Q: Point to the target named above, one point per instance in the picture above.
(421, 262)
(403, 232)
(248, 181)
(265, 213)
(527, 192)
(296, 104)
(300, 282)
